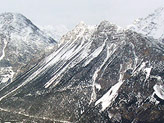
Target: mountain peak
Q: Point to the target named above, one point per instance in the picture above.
(105, 24)
(80, 30)
(108, 26)
(81, 25)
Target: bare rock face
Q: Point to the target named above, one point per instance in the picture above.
(99, 74)
(21, 43)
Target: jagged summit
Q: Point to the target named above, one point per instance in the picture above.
(82, 23)
(107, 26)
(105, 22)
(152, 25)
(81, 30)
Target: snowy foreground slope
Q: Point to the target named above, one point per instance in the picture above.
(21, 44)
(98, 74)
(152, 25)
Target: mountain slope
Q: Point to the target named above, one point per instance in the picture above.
(152, 25)
(98, 74)
(22, 43)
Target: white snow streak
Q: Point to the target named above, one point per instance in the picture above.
(147, 70)
(96, 85)
(138, 68)
(67, 52)
(142, 66)
(3, 50)
(95, 53)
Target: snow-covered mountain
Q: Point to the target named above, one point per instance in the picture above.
(152, 25)
(98, 74)
(21, 43)
(56, 32)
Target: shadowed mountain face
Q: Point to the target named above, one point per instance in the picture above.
(98, 74)
(21, 44)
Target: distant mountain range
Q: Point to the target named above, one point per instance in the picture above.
(56, 32)
(94, 74)
(152, 25)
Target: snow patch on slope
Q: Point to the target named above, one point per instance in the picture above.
(111, 95)
(3, 50)
(107, 99)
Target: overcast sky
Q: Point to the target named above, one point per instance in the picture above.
(71, 12)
